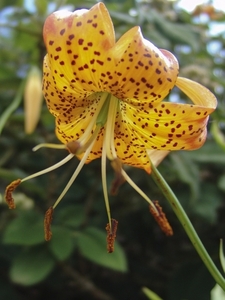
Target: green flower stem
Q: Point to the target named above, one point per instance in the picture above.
(188, 227)
(13, 106)
(217, 134)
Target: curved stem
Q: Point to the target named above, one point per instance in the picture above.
(138, 190)
(188, 227)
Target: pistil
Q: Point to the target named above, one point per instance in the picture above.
(106, 149)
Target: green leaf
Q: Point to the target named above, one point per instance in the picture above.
(92, 245)
(62, 243)
(31, 266)
(209, 202)
(221, 255)
(187, 171)
(71, 215)
(221, 183)
(122, 17)
(209, 153)
(150, 294)
(26, 229)
(177, 33)
(41, 6)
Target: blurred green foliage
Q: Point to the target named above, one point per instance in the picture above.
(75, 263)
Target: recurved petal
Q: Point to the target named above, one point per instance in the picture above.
(77, 45)
(156, 156)
(167, 126)
(197, 93)
(143, 72)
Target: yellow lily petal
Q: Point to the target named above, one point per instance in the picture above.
(197, 93)
(167, 126)
(142, 71)
(164, 126)
(157, 156)
(77, 45)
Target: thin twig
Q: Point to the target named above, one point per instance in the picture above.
(84, 284)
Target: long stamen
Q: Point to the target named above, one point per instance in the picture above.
(111, 235)
(87, 144)
(12, 186)
(119, 179)
(109, 132)
(75, 174)
(57, 165)
(161, 219)
(49, 145)
(94, 118)
(8, 193)
(137, 189)
(106, 149)
(104, 185)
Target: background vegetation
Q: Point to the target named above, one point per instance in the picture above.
(75, 263)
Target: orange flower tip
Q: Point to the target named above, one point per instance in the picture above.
(119, 179)
(161, 219)
(73, 146)
(47, 223)
(8, 193)
(111, 235)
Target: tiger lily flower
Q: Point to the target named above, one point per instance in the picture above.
(107, 97)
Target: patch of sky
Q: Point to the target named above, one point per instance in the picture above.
(52, 6)
(191, 5)
(214, 47)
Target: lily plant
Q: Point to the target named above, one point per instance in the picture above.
(108, 100)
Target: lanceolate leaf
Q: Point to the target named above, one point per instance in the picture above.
(92, 245)
(31, 266)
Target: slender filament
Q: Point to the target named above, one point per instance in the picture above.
(110, 125)
(94, 119)
(49, 169)
(104, 185)
(49, 145)
(137, 189)
(75, 174)
(87, 144)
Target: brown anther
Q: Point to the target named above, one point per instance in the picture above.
(161, 219)
(111, 235)
(47, 223)
(73, 147)
(119, 179)
(8, 193)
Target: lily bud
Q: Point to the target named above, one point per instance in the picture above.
(32, 99)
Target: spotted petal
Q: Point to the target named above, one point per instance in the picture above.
(84, 62)
(77, 45)
(142, 71)
(164, 126)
